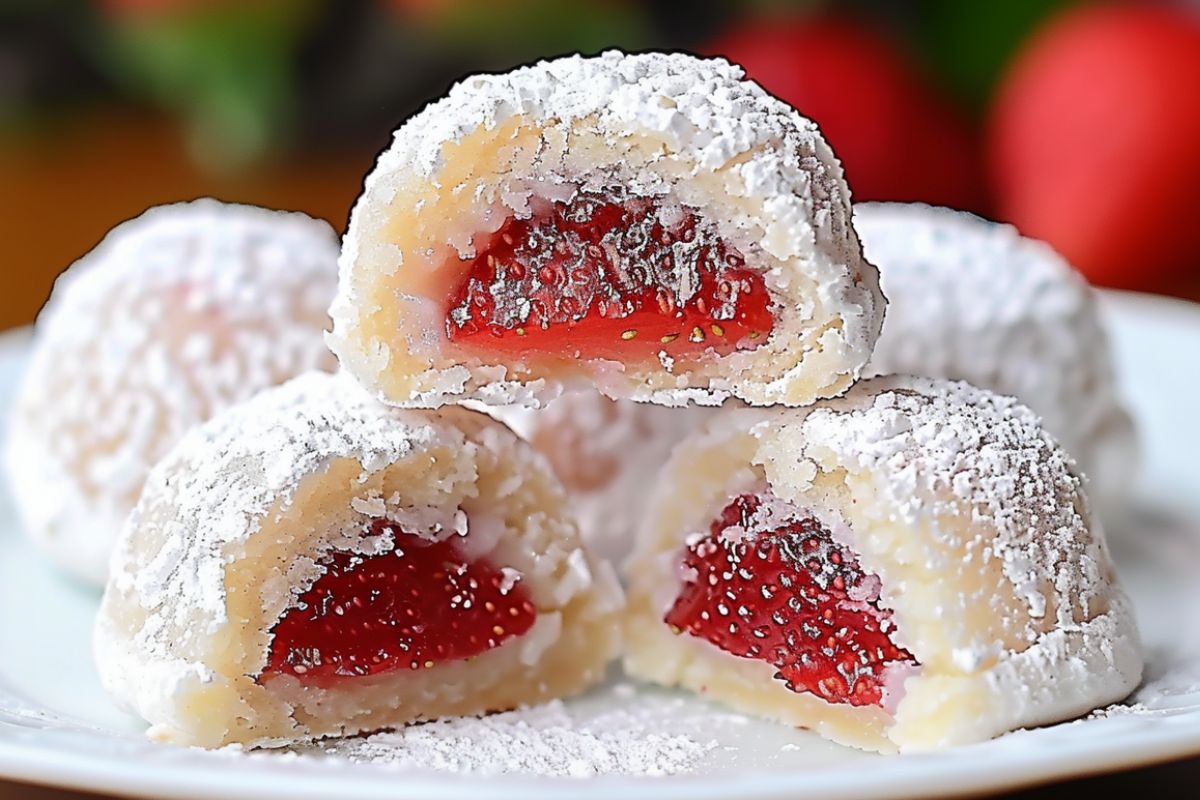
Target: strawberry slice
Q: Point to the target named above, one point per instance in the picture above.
(420, 604)
(769, 582)
(609, 277)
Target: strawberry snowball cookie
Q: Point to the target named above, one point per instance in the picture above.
(654, 225)
(975, 301)
(174, 316)
(313, 563)
(908, 567)
(607, 454)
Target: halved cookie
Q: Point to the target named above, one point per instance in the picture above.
(312, 562)
(911, 566)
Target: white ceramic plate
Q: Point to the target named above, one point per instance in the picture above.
(58, 728)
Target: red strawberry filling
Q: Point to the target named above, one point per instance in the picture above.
(609, 277)
(769, 582)
(418, 605)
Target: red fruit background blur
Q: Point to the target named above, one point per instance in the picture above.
(1077, 120)
(1093, 142)
(897, 135)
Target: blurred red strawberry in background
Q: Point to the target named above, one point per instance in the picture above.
(898, 139)
(1093, 141)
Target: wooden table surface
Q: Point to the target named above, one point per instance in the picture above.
(62, 189)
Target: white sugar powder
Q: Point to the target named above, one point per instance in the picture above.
(544, 740)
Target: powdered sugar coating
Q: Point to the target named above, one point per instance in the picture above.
(977, 526)
(232, 528)
(544, 740)
(947, 446)
(607, 453)
(174, 316)
(689, 132)
(973, 300)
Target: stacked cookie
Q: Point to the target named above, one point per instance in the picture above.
(663, 257)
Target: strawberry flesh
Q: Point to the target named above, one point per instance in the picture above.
(420, 604)
(607, 276)
(768, 582)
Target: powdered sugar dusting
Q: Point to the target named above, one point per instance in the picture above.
(1060, 635)
(543, 740)
(975, 301)
(606, 452)
(977, 527)
(685, 133)
(236, 524)
(947, 446)
(266, 450)
(702, 108)
(175, 316)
